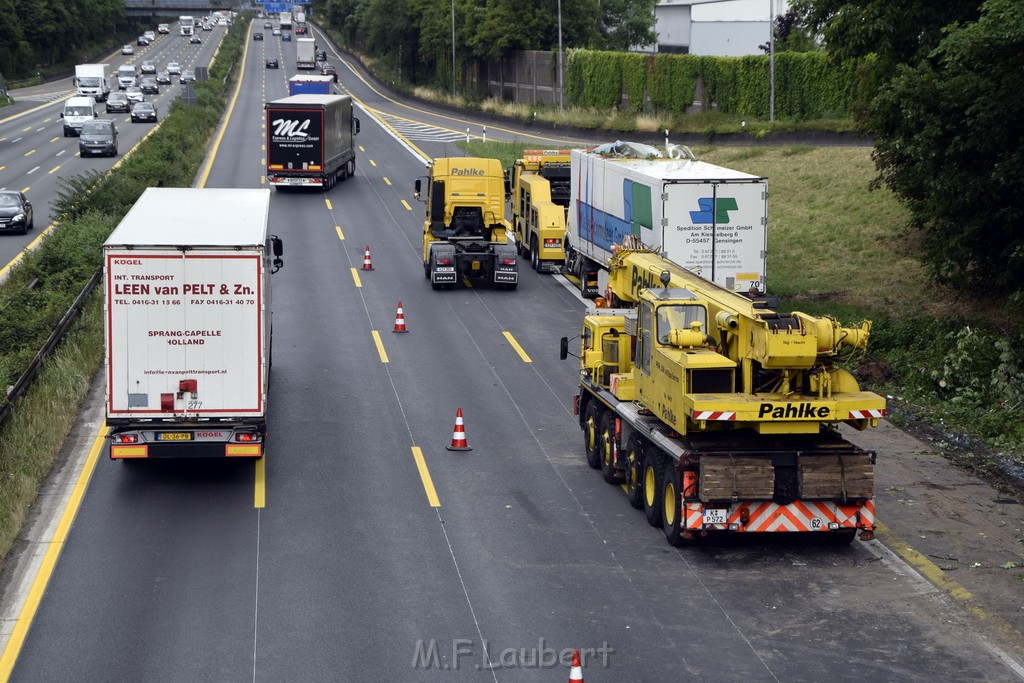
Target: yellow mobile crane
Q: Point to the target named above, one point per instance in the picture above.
(540, 203)
(720, 414)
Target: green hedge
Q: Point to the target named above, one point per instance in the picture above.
(807, 84)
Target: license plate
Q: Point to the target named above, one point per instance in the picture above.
(716, 516)
(174, 436)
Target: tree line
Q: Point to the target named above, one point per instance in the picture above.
(39, 34)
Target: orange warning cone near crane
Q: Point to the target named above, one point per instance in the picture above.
(367, 263)
(459, 435)
(576, 672)
(400, 320)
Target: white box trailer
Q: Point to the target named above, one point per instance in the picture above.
(91, 80)
(188, 324)
(706, 218)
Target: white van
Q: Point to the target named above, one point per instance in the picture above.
(77, 110)
(126, 75)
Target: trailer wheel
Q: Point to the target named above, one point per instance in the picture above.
(671, 506)
(634, 473)
(591, 442)
(608, 450)
(534, 254)
(652, 471)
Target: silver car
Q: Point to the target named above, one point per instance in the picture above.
(135, 94)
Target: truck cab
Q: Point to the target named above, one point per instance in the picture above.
(465, 234)
(540, 203)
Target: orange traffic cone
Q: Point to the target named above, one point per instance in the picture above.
(459, 435)
(399, 320)
(576, 672)
(367, 263)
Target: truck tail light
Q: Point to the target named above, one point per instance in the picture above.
(552, 242)
(443, 261)
(247, 437)
(126, 438)
(508, 261)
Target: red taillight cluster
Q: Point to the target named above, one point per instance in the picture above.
(443, 261)
(126, 438)
(247, 437)
(552, 242)
(508, 261)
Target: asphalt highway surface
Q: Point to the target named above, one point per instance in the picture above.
(362, 549)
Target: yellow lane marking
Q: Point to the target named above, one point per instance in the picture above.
(373, 163)
(428, 483)
(263, 163)
(380, 346)
(2, 168)
(355, 277)
(60, 535)
(263, 179)
(25, 130)
(260, 497)
(386, 180)
(517, 347)
(341, 235)
(406, 205)
(361, 148)
(30, 152)
(24, 189)
(330, 207)
(54, 138)
(922, 564)
(53, 169)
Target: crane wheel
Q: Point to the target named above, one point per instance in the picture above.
(591, 433)
(634, 473)
(672, 507)
(652, 492)
(609, 450)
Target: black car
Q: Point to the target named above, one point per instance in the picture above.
(187, 76)
(99, 136)
(143, 111)
(329, 70)
(163, 78)
(321, 55)
(272, 63)
(118, 101)
(257, 36)
(150, 86)
(15, 212)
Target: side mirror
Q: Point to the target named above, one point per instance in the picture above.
(355, 123)
(563, 348)
(418, 187)
(62, 115)
(276, 245)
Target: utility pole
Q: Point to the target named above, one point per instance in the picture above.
(453, 49)
(771, 60)
(561, 68)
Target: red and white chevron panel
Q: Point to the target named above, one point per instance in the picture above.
(712, 415)
(864, 414)
(801, 515)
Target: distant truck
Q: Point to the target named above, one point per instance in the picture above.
(286, 21)
(310, 140)
(300, 23)
(305, 53)
(187, 25)
(91, 80)
(708, 219)
(188, 324)
(310, 84)
(540, 202)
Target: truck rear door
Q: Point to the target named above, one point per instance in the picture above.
(184, 333)
(718, 229)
